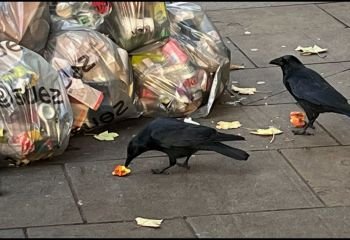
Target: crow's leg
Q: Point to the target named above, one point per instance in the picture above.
(185, 163)
(312, 116)
(172, 162)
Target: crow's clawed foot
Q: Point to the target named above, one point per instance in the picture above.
(302, 132)
(184, 165)
(157, 171)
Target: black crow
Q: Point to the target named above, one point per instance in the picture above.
(313, 93)
(179, 139)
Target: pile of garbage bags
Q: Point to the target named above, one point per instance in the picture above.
(74, 66)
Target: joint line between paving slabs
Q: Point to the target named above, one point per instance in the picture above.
(329, 133)
(302, 178)
(329, 14)
(74, 194)
(25, 232)
(190, 226)
(239, 49)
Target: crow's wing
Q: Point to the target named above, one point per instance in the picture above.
(308, 85)
(179, 134)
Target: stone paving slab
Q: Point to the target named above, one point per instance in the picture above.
(337, 125)
(327, 171)
(340, 10)
(270, 46)
(237, 57)
(214, 6)
(272, 20)
(36, 196)
(169, 229)
(335, 40)
(263, 117)
(87, 148)
(12, 233)
(215, 184)
(274, 85)
(307, 223)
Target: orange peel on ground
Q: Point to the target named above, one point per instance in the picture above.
(121, 171)
(297, 119)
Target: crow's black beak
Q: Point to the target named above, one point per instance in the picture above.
(276, 61)
(127, 161)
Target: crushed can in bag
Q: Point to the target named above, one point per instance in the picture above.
(36, 117)
(78, 15)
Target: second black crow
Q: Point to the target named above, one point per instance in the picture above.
(312, 92)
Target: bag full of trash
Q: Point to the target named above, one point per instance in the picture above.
(78, 15)
(167, 82)
(135, 24)
(191, 27)
(101, 88)
(26, 23)
(35, 114)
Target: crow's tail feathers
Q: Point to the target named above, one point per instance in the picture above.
(226, 150)
(345, 110)
(222, 137)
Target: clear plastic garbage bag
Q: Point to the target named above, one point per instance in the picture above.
(35, 114)
(135, 24)
(167, 82)
(191, 27)
(26, 23)
(78, 15)
(99, 76)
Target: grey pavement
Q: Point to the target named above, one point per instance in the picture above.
(295, 186)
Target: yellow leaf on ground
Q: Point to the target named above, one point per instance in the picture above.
(267, 132)
(1, 132)
(106, 136)
(228, 125)
(247, 91)
(148, 222)
(311, 50)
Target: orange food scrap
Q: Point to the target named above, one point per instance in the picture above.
(121, 171)
(297, 119)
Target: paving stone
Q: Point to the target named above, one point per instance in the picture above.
(270, 46)
(237, 57)
(335, 40)
(340, 10)
(233, 22)
(33, 196)
(213, 6)
(337, 125)
(12, 233)
(307, 223)
(253, 117)
(214, 184)
(87, 148)
(327, 171)
(274, 85)
(169, 229)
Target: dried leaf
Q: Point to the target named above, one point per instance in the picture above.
(148, 222)
(311, 50)
(228, 125)
(248, 91)
(235, 67)
(106, 136)
(121, 171)
(267, 132)
(189, 120)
